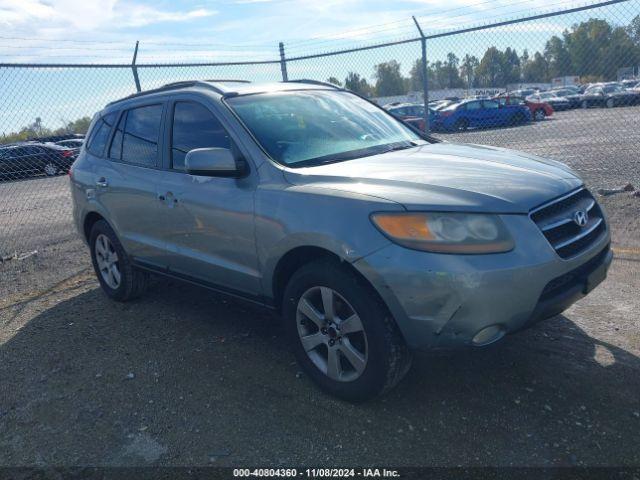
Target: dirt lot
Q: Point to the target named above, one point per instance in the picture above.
(182, 377)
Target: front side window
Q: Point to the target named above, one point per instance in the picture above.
(194, 126)
(490, 104)
(99, 135)
(141, 136)
(473, 106)
(312, 127)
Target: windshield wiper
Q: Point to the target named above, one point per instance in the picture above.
(354, 154)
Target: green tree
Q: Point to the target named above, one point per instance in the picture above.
(415, 76)
(510, 68)
(334, 81)
(489, 72)
(357, 84)
(389, 80)
(536, 70)
(451, 71)
(468, 69)
(557, 57)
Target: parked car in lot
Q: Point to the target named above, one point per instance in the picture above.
(572, 95)
(480, 114)
(370, 239)
(72, 143)
(412, 113)
(539, 110)
(558, 103)
(23, 159)
(609, 96)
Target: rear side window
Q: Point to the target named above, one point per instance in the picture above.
(194, 126)
(99, 135)
(473, 106)
(137, 135)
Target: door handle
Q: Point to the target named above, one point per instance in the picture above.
(102, 183)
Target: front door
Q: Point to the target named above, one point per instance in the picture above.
(210, 234)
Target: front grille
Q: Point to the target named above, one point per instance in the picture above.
(556, 221)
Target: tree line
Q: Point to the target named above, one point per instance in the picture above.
(38, 130)
(594, 50)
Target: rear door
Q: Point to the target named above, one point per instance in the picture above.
(126, 177)
(493, 115)
(473, 112)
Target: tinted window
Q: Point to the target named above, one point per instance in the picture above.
(100, 134)
(503, 101)
(490, 104)
(194, 127)
(473, 106)
(141, 133)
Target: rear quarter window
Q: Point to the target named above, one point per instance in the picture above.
(99, 134)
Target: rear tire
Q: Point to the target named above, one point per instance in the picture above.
(518, 119)
(539, 115)
(326, 354)
(461, 125)
(585, 104)
(50, 169)
(610, 103)
(119, 279)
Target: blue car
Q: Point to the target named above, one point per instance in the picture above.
(480, 114)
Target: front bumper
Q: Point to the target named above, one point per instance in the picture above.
(444, 301)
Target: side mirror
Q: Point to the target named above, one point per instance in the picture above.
(212, 162)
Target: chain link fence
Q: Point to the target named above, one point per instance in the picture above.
(564, 85)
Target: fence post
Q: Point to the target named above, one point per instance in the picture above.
(425, 76)
(135, 69)
(283, 64)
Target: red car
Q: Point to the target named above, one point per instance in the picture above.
(539, 110)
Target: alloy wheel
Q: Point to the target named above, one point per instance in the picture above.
(107, 260)
(332, 334)
(50, 169)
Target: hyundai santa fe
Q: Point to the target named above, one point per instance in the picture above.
(370, 238)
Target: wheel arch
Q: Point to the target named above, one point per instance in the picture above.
(89, 221)
(299, 256)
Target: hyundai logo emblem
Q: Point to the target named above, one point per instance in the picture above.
(580, 218)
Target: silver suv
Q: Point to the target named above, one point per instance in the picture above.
(369, 238)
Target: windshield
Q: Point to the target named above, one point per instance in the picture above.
(313, 127)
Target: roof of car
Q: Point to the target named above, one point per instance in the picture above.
(231, 88)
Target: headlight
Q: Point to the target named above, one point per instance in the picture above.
(468, 233)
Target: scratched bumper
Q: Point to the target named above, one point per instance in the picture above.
(442, 301)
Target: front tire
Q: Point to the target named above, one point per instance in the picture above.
(119, 279)
(610, 103)
(342, 334)
(539, 115)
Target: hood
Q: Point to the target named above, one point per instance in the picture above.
(447, 176)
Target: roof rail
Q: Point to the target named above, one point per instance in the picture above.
(314, 82)
(181, 84)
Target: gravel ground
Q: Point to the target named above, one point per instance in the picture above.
(183, 377)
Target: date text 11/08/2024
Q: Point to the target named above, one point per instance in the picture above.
(316, 473)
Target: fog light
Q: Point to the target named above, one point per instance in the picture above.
(488, 335)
